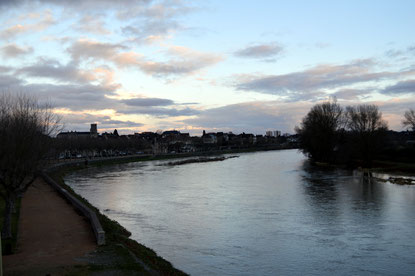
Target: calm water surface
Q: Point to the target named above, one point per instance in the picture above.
(264, 213)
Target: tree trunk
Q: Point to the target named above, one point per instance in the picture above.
(12, 205)
(7, 225)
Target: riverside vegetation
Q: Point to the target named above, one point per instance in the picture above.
(356, 136)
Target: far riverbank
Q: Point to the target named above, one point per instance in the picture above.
(99, 161)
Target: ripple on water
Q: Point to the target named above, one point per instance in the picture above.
(266, 213)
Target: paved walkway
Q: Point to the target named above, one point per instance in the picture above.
(51, 235)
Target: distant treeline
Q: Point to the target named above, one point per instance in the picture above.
(354, 136)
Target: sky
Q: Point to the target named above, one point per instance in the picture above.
(240, 66)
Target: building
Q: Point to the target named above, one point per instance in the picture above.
(93, 133)
(273, 133)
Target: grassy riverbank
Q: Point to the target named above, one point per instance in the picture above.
(120, 254)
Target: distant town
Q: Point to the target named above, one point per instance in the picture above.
(89, 144)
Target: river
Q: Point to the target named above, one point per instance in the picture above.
(263, 213)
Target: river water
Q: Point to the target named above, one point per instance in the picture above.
(264, 213)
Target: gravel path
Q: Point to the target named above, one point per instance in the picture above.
(51, 237)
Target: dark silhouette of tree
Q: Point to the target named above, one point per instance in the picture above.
(25, 129)
(367, 130)
(319, 131)
(409, 119)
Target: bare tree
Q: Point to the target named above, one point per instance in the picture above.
(319, 131)
(25, 129)
(409, 119)
(367, 126)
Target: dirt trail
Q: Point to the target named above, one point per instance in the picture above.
(52, 235)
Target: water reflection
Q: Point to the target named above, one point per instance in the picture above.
(261, 214)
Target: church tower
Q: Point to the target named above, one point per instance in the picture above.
(94, 130)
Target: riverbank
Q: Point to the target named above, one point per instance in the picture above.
(51, 235)
(152, 157)
(198, 160)
(120, 254)
(396, 172)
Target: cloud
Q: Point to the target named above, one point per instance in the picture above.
(154, 107)
(154, 22)
(147, 102)
(254, 117)
(73, 96)
(182, 61)
(82, 121)
(12, 50)
(350, 94)
(299, 85)
(77, 93)
(151, 30)
(146, 20)
(192, 62)
(394, 53)
(45, 21)
(158, 111)
(75, 4)
(258, 116)
(52, 69)
(92, 24)
(8, 82)
(156, 11)
(12, 31)
(79, 90)
(68, 85)
(259, 51)
(5, 69)
(86, 49)
(403, 87)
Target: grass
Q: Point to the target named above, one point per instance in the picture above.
(118, 244)
(394, 167)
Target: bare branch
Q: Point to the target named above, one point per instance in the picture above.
(409, 119)
(25, 130)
